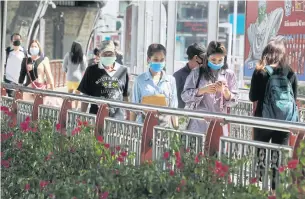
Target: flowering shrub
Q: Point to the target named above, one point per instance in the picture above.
(40, 162)
(294, 174)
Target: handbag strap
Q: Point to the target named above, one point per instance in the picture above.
(28, 72)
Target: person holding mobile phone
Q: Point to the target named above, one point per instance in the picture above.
(211, 87)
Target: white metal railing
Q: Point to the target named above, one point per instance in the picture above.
(73, 117)
(24, 110)
(259, 159)
(243, 108)
(236, 119)
(125, 134)
(49, 113)
(164, 137)
(7, 101)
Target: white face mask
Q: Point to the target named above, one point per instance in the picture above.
(34, 51)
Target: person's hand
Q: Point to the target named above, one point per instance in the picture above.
(220, 86)
(29, 67)
(226, 92)
(208, 89)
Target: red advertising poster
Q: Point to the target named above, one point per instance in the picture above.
(268, 18)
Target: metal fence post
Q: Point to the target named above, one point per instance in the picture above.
(150, 121)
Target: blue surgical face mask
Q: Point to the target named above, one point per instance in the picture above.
(107, 61)
(34, 51)
(157, 66)
(215, 66)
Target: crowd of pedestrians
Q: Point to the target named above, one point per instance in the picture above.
(205, 83)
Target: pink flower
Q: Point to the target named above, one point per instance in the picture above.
(43, 184)
(253, 180)
(182, 183)
(201, 154)
(85, 123)
(166, 155)
(25, 126)
(104, 195)
(19, 144)
(196, 159)
(271, 197)
(112, 153)
(171, 173)
(100, 139)
(6, 136)
(106, 145)
(178, 156)
(221, 169)
(178, 189)
(27, 119)
(1, 154)
(27, 187)
(188, 150)
(124, 154)
(118, 148)
(292, 164)
(282, 169)
(79, 123)
(58, 126)
(8, 113)
(76, 131)
(120, 159)
(52, 196)
(5, 163)
(179, 165)
(4, 109)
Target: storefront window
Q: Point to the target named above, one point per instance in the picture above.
(192, 27)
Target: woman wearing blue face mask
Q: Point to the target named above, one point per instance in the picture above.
(155, 82)
(211, 87)
(106, 79)
(36, 68)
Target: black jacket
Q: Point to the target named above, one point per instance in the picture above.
(259, 82)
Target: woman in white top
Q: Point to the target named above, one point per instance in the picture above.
(74, 66)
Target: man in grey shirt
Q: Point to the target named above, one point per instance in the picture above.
(196, 54)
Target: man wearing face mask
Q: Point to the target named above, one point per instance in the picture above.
(106, 79)
(195, 55)
(14, 57)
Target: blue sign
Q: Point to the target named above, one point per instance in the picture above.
(107, 38)
(240, 29)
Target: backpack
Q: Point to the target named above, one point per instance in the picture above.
(279, 102)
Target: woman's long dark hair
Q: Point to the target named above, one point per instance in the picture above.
(76, 53)
(273, 53)
(214, 47)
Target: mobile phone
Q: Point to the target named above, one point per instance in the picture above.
(222, 82)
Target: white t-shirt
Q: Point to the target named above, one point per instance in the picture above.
(13, 65)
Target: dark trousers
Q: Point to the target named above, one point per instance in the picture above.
(9, 92)
(276, 137)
